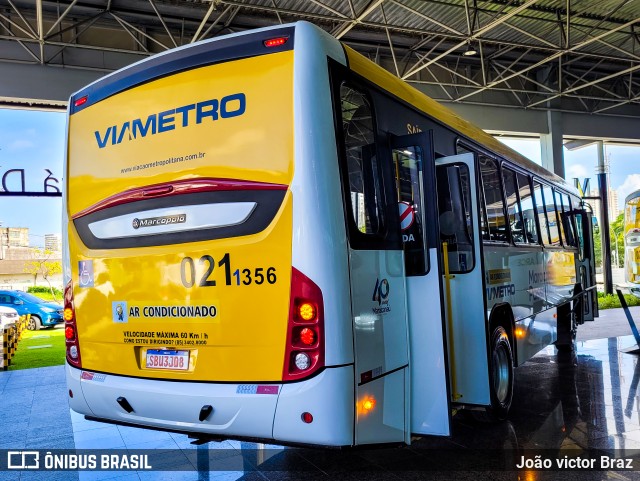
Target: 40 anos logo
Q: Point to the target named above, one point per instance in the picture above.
(381, 296)
(154, 221)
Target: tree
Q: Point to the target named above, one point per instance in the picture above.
(597, 246)
(44, 266)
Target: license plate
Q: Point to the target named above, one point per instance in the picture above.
(165, 359)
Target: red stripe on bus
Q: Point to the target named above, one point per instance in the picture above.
(191, 186)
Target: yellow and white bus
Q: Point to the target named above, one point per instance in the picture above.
(632, 242)
(270, 237)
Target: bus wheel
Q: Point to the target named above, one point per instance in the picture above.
(500, 378)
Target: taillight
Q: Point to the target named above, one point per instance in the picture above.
(304, 353)
(70, 328)
(81, 101)
(275, 42)
(307, 336)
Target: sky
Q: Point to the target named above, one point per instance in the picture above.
(34, 141)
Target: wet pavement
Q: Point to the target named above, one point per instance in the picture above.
(581, 404)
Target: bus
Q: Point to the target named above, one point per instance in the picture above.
(632, 243)
(270, 237)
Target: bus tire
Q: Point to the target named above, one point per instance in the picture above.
(500, 378)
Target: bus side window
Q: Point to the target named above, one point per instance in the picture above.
(552, 217)
(496, 228)
(575, 205)
(363, 178)
(528, 212)
(514, 210)
(561, 218)
(542, 216)
(409, 186)
(454, 210)
(568, 221)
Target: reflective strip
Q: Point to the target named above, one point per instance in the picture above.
(173, 219)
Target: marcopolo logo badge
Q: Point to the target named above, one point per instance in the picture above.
(155, 221)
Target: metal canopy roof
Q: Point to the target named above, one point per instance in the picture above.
(571, 56)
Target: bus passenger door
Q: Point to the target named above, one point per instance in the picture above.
(586, 264)
(413, 162)
(376, 276)
(465, 302)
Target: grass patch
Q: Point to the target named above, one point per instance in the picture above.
(612, 301)
(44, 292)
(48, 297)
(40, 356)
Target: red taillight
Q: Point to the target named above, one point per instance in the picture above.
(73, 346)
(275, 42)
(69, 333)
(81, 101)
(307, 336)
(307, 418)
(304, 352)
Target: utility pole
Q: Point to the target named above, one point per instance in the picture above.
(603, 187)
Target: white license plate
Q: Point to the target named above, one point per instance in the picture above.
(165, 359)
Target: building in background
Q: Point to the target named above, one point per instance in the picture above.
(53, 242)
(21, 266)
(613, 209)
(15, 236)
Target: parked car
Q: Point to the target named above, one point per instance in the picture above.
(43, 313)
(8, 317)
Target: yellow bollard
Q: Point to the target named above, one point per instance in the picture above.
(4, 363)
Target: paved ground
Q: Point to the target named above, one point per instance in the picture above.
(611, 323)
(587, 401)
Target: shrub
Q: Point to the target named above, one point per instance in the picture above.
(43, 290)
(612, 301)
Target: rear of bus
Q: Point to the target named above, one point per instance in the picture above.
(185, 306)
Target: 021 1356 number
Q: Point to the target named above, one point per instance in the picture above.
(258, 276)
(188, 275)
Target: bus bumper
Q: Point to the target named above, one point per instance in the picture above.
(266, 411)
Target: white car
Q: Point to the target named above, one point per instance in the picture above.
(8, 317)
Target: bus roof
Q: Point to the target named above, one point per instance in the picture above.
(419, 100)
(206, 52)
(631, 196)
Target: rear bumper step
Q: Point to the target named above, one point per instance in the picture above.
(237, 410)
